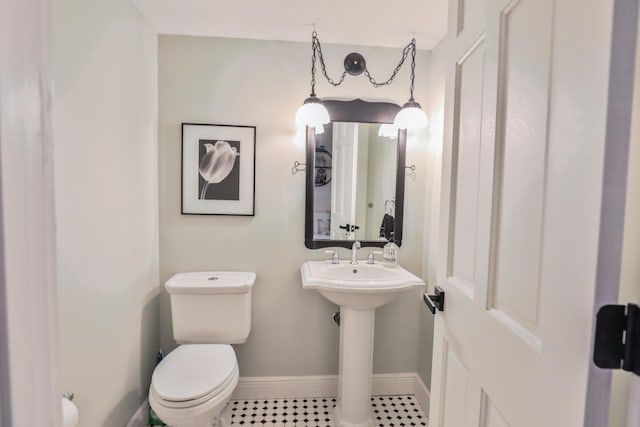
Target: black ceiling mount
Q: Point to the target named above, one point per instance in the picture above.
(354, 64)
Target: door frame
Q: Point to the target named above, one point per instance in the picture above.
(28, 293)
(618, 133)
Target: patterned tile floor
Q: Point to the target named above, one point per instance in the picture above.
(388, 411)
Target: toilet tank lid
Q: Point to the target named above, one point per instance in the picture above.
(211, 282)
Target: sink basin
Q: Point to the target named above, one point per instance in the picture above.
(361, 286)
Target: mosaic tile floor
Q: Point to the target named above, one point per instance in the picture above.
(388, 411)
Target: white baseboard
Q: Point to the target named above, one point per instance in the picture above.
(140, 418)
(390, 384)
(423, 396)
(281, 387)
(327, 386)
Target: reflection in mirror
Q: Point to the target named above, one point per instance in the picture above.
(356, 185)
(360, 203)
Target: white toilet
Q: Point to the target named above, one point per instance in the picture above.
(210, 310)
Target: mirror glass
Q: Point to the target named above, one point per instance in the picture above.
(353, 185)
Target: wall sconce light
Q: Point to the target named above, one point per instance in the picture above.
(313, 113)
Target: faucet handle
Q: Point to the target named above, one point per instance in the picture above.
(335, 259)
(371, 258)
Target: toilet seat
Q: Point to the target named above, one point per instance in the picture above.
(193, 374)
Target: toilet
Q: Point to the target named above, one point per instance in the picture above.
(210, 310)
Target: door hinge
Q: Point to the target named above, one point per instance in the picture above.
(617, 342)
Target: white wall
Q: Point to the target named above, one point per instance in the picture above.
(104, 58)
(243, 82)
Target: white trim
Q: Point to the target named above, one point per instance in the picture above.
(140, 418)
(28, 305)
(423, 395)
(618, 134)
(280, 387)
(390, 384)
(327, 386)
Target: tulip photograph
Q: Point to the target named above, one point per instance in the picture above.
(218, 169)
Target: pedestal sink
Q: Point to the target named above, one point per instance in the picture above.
(358, 290)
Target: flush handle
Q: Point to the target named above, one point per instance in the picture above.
(436, 301)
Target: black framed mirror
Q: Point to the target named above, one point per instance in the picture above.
(355, 177)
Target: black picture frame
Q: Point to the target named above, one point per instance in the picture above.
(218, 169)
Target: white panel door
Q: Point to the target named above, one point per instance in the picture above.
(523, 166)
(345, 172)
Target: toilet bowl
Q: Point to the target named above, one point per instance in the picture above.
(192, 385)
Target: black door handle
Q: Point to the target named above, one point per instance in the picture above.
(435, 301)
(349, 227)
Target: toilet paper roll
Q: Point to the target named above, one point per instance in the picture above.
(69, 413)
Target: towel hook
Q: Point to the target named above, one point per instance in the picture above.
(298, 167)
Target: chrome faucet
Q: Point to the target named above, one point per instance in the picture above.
(335, 259)
(354, 252)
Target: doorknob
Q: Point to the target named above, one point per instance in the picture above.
(349, 227)
(435, 301)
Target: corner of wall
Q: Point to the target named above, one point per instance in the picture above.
(106, 185)
(435, 109)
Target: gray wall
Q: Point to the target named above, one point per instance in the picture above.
(435, 111)
(104, 69)
(243, 82)
(630, 268)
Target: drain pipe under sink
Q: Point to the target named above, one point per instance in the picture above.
(335, 316)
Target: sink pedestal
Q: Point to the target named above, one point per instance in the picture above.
(356, 364)
(358, 290)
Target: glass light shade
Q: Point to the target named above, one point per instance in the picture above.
(312, 113)
(388, 130)
(411, 117)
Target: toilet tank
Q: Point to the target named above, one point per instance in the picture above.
(211, 307)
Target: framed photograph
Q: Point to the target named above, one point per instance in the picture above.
(322, 226)
(218, 169)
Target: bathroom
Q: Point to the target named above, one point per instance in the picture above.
(121, 93)
(113, 78)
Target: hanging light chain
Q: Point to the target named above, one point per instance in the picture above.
(317, 47)
(405, 53)
(413, 67)
(313, 63)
